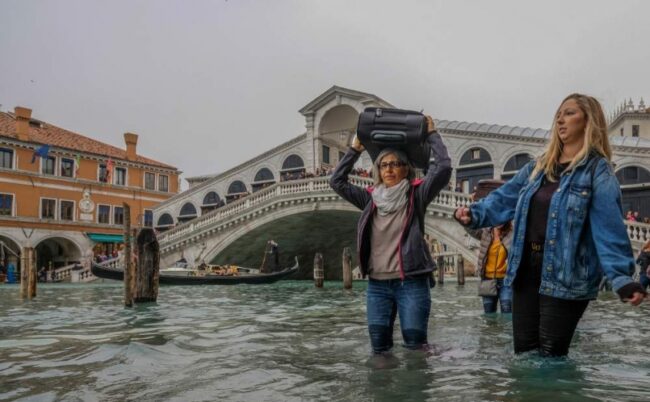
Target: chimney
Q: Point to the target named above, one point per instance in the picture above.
(22, 122)
(131, 141)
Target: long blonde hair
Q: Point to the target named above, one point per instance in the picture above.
(596, 138)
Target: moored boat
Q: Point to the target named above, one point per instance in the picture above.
(209, 275)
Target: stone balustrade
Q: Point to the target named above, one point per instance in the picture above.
(444, 204)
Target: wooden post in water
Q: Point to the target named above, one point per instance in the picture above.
(128, 258)
(28, 275)
(460, 269)
(33, 275)
(319, 272)
(347, 268)
(147, 271)
(441, 270)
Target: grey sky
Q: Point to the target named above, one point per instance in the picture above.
(209, 84)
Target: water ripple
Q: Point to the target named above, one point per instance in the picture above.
(292, 342)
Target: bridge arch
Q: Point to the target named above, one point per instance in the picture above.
(236, 190)
(211, 201)
(635, 188)
(165, 222)
(264, 177)
(293, 166)
(474, 164)
(514, 163)
(187, 212)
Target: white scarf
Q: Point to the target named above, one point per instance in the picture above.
(390, 199)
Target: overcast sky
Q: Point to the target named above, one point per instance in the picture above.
(210, 84)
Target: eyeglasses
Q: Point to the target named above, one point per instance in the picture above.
(391, 164)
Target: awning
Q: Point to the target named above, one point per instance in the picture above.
(105, 238)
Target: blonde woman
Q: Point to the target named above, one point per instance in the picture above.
(568, 229)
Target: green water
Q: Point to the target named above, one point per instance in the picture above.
(292, 342)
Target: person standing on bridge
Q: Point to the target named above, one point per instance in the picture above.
(390, 238)
(568, 229)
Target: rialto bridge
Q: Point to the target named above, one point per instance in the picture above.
(228, 217)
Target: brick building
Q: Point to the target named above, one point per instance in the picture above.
(62, 192)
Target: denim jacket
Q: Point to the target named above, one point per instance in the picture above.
(585, 233)
(414, 257)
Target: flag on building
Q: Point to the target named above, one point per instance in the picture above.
(41, 151)
(77, 163)
(109, 170)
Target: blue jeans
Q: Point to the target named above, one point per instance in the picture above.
(504, 297)
(411, 299)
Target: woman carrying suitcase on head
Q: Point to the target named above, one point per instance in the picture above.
(568, 229)
(390, 238)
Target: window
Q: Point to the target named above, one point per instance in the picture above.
(102, 174)
(476, 154)
(148, 218)
(326, 154)
(6, 158)
(48, 165)
(163, 183)
(66, 210)
(120, 176)
(67, 167)
(149, 181)
(118, 215)
(103, 214)
(635, 130)
(48, 208)
(6, 204)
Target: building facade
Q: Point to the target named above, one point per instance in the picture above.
(63, 193)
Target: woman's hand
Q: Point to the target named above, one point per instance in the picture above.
(463, 215)
(431, 127)
(636, 299)
(357, 145)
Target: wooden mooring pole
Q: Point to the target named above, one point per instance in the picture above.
(441, 270)
(128, 257)
(28, 276)
(460, 269)
(147, 271)
(319, 272)
(347, 268)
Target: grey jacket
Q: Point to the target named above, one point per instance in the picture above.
(413, 251)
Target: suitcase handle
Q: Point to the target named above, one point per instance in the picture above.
(388, 137)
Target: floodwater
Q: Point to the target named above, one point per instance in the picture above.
(291, 342)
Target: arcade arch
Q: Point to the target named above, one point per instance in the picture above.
(211, 201)
(187, 213)
(475, 164)
(293, 168)
(635, 188)
(263, 178)
(236, 190)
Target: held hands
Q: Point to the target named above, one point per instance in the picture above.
(636, 299)
(463, 215)
(357, 145)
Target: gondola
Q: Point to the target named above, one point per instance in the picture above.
(184, 276)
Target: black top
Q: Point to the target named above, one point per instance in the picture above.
(539, 205)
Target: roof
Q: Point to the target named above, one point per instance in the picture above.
(336, 90)
(57, 137)
(614, 140)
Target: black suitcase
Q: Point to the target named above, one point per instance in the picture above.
(404, 130)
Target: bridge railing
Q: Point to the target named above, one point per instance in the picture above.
(446, 200)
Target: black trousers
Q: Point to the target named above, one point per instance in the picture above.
(541, 322)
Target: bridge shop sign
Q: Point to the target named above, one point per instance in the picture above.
(86, 207)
